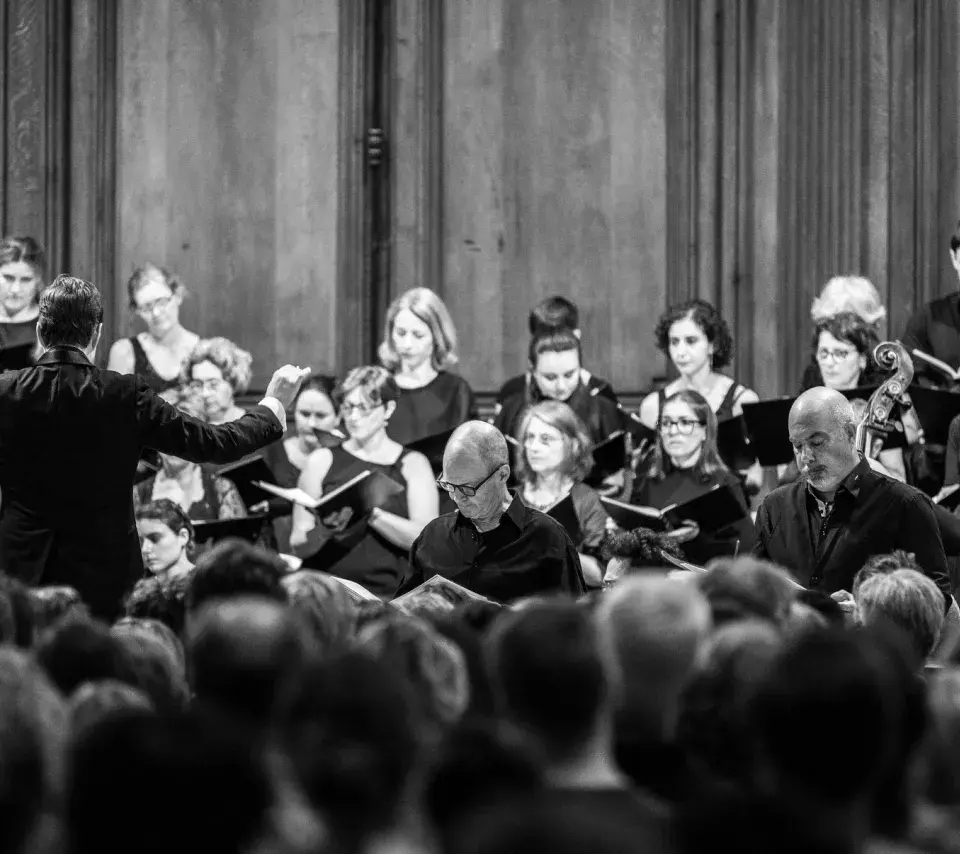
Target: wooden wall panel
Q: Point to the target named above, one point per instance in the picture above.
(229, 167)
(554, 148)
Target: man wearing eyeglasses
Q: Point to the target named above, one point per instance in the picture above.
(493, 544)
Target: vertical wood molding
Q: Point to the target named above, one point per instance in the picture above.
(416, 146)
(91, 232)
(353, 274)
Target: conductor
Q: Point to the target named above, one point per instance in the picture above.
(71, 436)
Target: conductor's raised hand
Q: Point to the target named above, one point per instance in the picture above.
(285, 384)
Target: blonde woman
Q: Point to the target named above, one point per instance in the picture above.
(419, 347)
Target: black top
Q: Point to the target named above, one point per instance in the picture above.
(526, 554)
(872, 515)
(71, 437)
(18, 344)
(143, 367)
(442, 404)
(520, 384)
(935, 329)
(359, 553)
(682, 485)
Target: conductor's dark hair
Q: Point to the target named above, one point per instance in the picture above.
(549, 675)
(24, 249)
(235, 567)
(70, 312)
(955, 239)
(552, 314)
(710, 322)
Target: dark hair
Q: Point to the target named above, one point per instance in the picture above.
(134, 771)
(641, 546)
(16, 249)
(553, 314)
(709, 462)
(158, 672)
(53, 604)
(708, 319)
(955, 239)
(549, 674)
(70, 312)
(323, 383)
(235, 567)
(351, 756)
(824, 604)
(161, 598)
(82, 650)
(746, 588)
(170, 514)
(556, 341)
(851, 327)
(146, 274)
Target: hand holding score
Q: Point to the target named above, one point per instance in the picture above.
(285, 383)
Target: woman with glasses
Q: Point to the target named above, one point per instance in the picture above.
(370, 551)
(554, 458)
(685, 464)
(22, 275)
(157, 354)
(698, 342)
(556, 370)
(217, 370)
(843, 346)
(419, 347)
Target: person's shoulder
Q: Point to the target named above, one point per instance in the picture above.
(783, 495)
(450, 380)
(543, 523)
(940, 306)
(514, 385)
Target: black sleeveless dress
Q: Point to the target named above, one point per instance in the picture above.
(359, 553)
(143, 367)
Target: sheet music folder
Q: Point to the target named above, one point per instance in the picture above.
(712, 510)
(565, 513)
(360, 494)
(245, 474)
(767, 424)
(247, 528)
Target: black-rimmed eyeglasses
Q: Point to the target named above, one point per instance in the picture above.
(465, 489)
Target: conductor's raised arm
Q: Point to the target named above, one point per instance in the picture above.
(164, 428)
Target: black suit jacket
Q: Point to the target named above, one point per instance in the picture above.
(70, 439)
(881, 516)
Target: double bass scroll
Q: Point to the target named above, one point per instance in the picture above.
(891, 356)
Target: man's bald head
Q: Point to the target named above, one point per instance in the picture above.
(477, 441)
(828, 406)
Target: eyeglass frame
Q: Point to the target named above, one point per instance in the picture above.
(690, 423)
(161, 303)
(824, 354)
(362, 409)
(465, 489)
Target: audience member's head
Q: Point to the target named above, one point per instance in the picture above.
(160, 598)
(713, 727)
(432, 665)
(94, 701)
(236, 568)
(941, 752)
(746, 588)
(349, 727)
(158, 660)
(71, 313)
(52, 604)
(18, 613)
(907, 600)
(79, 650)
(655, 626)
(553, 678)
(883, 564)
(33, 725)
(477, 765)
(240, 654)
(327, 610)
(158, 784)
(834, 681)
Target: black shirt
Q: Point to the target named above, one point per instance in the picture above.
(526, 554)
(935, 330)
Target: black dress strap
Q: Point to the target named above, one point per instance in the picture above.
(143, 367)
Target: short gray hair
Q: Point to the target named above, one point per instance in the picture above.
(908, 600)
